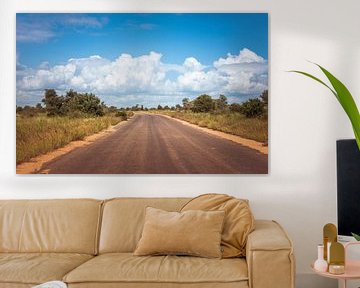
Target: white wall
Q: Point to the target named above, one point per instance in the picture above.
(305, 120)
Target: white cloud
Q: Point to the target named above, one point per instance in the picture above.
(145, 79)
(84, 21)
(193, 64)
(245, 73)
(245, 56)
(35, 29)
(33, 32)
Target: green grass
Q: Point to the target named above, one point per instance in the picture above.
(228, 122)
(41, 134)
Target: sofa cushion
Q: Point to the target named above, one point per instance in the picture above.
(239, 220)
(62, 226)
(194, 232)
(123, 220)
(126, 268)
(36, 268)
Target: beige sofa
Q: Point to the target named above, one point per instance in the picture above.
(89, 243)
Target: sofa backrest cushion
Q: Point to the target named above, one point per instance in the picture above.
(239, 220)
(64, 226)
(123, 220)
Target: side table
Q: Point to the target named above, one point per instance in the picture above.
(352, 268)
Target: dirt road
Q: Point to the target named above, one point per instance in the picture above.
(153, 144)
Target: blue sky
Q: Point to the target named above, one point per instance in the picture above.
(166, 56)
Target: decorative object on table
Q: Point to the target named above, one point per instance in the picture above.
(336, 269)
(344, 97)
(351, 268)
(329, 236)
(52, 284)
(333, 251)
(320, 264)
(337, 258)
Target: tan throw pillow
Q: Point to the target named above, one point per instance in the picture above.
(196, 233)
(239, 220)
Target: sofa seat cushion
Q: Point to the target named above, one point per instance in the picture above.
(36, 268)
(127, 268)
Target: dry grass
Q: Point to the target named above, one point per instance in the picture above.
(232, 123)
(41, 134)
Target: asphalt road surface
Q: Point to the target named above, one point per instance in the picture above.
(153, 144)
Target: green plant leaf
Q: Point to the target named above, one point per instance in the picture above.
(347, 101)
(344, 97)
(316, 79)
(356, 236)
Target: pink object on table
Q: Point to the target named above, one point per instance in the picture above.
(352, 268)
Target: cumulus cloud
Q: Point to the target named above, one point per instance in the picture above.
(193, 64)
(245, 56)
(143, 79)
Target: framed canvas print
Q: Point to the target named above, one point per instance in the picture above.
(142, 93)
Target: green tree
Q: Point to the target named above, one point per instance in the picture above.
(53, 102)
(39, 107)
(78, 103)
(221, 103)
(253, 108)
(264, 97)
(135, 108)
(203, 103)
(113, 109)
(235, 107)
(122, 114)
(160, 107)
(186, 103)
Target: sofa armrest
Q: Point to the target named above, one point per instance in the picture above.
(269, 255)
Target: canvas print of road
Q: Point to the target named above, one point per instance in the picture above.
(151, 93)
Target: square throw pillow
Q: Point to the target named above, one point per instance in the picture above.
(238, 223)
(193, 232)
